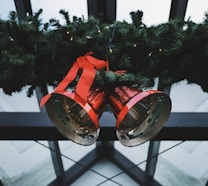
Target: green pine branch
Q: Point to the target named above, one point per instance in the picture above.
(35, 53)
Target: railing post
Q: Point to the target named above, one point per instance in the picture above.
(53, 145)
(151, 161)
(154, 146)
(57, 162)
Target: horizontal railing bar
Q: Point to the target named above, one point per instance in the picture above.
(37, 126)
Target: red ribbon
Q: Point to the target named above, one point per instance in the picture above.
(88, 65)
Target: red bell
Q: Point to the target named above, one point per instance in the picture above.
(75, 118)
(140, 114)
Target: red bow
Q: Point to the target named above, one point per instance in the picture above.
(88, 65)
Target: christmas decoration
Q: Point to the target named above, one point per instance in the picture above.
(34, 54)
(37, 54)
(76, 113)
(76, 119)
(140, 114)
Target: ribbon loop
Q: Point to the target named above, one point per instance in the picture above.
(88, 65)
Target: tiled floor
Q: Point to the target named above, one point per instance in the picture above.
(27, 163)
(30, 165)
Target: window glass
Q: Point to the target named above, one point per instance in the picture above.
(188, 97)
(18, 102)
(154, 12)
(51, 8)
(5, 8)
(196, 10)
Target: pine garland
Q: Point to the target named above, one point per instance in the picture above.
(35, 53)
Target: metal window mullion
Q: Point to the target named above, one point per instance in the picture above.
(105, 10)
(23, 8)
(178, 9)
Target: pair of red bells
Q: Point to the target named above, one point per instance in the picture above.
(139, 114)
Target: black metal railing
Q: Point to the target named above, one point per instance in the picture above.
(37, 126)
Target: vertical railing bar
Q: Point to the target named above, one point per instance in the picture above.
(178, 10)
(55, 153)
(23, 7)
(57, 162)
(154, 146)
(151, 161)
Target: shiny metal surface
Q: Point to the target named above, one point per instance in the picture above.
(75, 119)
(141, 115)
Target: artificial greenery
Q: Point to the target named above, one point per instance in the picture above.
(35, 53)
